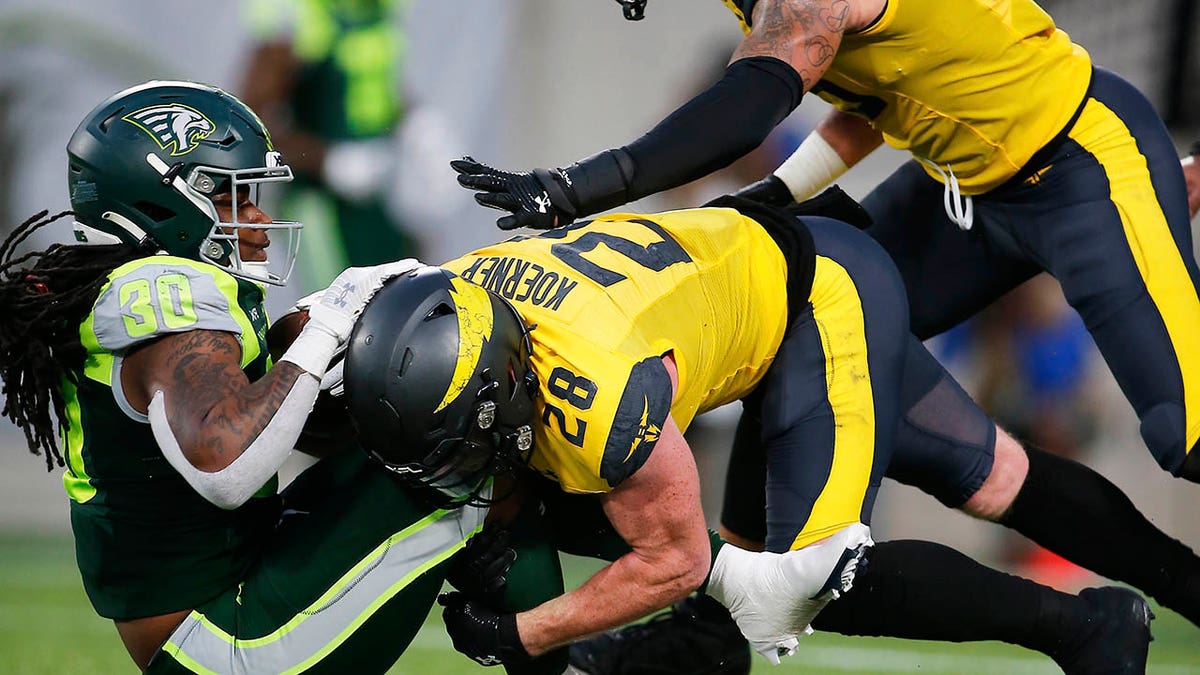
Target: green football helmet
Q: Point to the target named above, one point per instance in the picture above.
(145, 164)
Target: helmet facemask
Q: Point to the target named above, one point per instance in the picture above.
(220, 246)
(459, 470)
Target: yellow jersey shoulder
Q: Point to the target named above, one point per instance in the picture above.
(973, 86)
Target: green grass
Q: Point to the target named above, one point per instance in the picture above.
(47, 626)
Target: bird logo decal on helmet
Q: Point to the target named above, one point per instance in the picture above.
(176, 128)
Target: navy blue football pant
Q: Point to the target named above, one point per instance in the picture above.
(799, 423)
(1106, 214)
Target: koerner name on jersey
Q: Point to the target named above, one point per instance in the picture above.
(520, 280)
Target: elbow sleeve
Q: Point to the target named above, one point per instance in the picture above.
(230, 487)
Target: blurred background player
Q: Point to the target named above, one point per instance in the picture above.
(326, 77)
(1191, 173)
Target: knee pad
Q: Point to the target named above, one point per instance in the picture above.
(1164, 427)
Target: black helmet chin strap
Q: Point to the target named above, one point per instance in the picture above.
(635, 10)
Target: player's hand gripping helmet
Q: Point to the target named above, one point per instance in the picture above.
(634, 10)
(144, 165)
(439, 385)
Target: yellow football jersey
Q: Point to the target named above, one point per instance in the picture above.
(608, 298)
(978, 86)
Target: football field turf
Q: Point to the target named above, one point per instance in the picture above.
(46, 626)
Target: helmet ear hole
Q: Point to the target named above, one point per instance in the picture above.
(107, 121)
(441, 309)
(154, 211)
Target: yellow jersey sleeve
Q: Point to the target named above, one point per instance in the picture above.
(595, 433)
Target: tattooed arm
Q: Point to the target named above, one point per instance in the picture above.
(805, 34)
(214, 412)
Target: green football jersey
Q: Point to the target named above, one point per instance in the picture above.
(145, 542)
(347, 86)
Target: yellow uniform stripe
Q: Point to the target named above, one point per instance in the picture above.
(75, 477)
(838, 313)
(1158, 260)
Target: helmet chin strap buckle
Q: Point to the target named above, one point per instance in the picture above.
(485, 414)
(170, 174)
(524, 438)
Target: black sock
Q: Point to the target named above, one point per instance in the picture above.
(1078, 514)
(925, 591)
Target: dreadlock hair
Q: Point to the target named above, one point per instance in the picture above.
(46, 295)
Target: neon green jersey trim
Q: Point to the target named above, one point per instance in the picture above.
(337, 588)
(76, 480)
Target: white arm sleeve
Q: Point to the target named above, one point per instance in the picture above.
(312, 350)
(814, 165)
(230, 487)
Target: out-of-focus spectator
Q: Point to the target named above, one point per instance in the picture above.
(1191, 172)
(325, 76)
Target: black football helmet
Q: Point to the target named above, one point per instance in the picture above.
(634, 10)
(439, 384)
(144, 165)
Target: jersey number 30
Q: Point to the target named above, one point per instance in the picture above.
(146, 309)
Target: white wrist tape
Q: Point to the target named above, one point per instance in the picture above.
(312, 349)
(774, 597)
(230, 487)
(814, 165)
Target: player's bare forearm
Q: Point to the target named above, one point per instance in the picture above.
(628, 589)
(657, 511)
(851, 136)
(805, 34)
(215, 411)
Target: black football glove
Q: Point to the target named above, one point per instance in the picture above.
(770, 190)
(480, 570)
(833, 202)
(487, 637)
(540, 199)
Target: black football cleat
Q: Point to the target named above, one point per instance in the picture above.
(696, 637)
(1117, 637)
